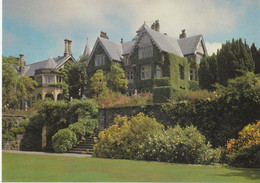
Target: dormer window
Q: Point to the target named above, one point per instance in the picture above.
(99, 60)
(145, 52)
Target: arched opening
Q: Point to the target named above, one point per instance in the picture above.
(60, 96)
(39, 96)
(49, 96)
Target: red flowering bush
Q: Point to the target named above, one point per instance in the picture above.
(112, 99)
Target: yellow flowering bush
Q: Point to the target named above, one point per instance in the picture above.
(249, 136)
(124, 138)
(245, 150)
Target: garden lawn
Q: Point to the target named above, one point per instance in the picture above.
(46, 168)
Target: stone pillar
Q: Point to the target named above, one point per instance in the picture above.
(44, 138)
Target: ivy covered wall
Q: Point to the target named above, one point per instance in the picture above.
(91, 68)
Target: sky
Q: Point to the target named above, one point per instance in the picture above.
(37, 28)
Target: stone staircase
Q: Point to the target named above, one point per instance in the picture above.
(85, 146)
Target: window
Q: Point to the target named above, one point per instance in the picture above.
(146, 72)
(49, 79)
(39, 80)
(181, 71)
(198, 58)
(145, 52)
(158, 71)
(192, 74)
(59, 79)
(99, 60)
(130, 76)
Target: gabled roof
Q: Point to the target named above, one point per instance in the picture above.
(189, 45)
(127, 46)
(113, 49)
(56, 63)
(163, 42)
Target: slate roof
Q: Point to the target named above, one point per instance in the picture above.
(86, 50)
(126, 47)
(164, 42)
(188, 45)
(29, 70)
(113, 49)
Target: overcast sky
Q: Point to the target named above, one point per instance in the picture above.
(37, 28)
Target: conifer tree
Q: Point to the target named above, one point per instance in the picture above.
(256, 57)
(116, 78)
(98, 82)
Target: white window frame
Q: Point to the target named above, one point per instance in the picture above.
(158, 71)
(145, 52)
(49, 79)
(146, 71)
(100, 59)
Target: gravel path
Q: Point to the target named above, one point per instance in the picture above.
(50, 154)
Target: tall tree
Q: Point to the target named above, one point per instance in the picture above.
(256, 57)
(116, 78)
(14, 86)
(98, 82)
(233, 58)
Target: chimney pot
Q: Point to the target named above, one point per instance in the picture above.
(103, 35)
(122, 40)
(183, 34)
(21, 59)
(157, 26)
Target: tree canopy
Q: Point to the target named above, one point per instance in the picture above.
(116, 78)
(231, 61)
(14, 85)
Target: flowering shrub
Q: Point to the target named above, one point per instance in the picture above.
(123, 140)
(111, 99)
(245, 151)
(179, 145)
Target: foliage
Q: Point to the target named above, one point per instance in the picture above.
(77, 78)
(14, 86)
(244, 151)
(79, 130)
(98, 82)
(109, 98)
(179, 145)
(193, 85)
(123, 139)
(63, 140)
(90, 125)
(256, 57)
(116, 79)
(233, 58)
(162, 94)
(197, 95)
(85, 108)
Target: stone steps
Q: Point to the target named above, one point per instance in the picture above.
(85, 146)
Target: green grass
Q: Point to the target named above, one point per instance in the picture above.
(44, 168)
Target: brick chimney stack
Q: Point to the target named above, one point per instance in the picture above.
(66, 52)
(183, 34)
(69, 46)
(103, 35)
(122, 41)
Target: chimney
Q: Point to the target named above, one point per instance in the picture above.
(122, 40)
(69, 46)
(66, 52)
(21, 59)
(153, 26)
(103, 35)
(183, 34)
(157, 26)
